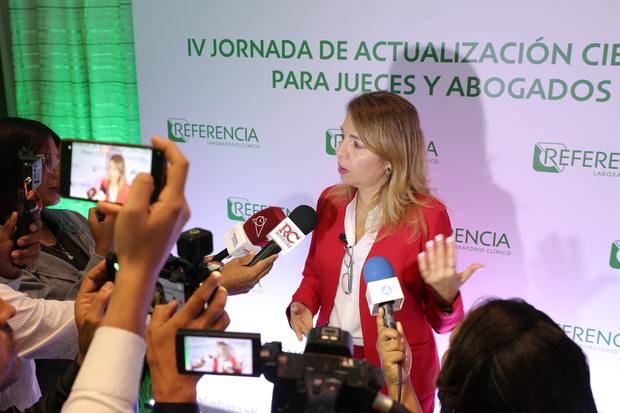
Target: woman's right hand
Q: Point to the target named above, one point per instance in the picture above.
(301, 319)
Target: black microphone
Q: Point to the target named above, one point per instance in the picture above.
(343, 237)
(289, 233)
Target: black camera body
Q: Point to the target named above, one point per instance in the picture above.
(325, 378)
(28, 201)
(180, 275)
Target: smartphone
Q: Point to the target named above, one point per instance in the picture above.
(218, 352)
(99, 171)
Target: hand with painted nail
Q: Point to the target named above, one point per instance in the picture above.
(438, 269)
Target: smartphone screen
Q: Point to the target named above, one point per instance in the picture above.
(99, 171)
(217, 352)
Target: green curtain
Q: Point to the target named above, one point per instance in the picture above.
(74, 68)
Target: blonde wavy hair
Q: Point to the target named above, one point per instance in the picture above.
(390, 127)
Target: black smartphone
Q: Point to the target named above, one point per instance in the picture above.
(218, 352)
(100, 171)
(28, 202)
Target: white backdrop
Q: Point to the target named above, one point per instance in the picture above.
(519, 104)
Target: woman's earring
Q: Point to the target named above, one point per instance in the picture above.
(388, 172)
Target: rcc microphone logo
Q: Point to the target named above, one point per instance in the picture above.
(289, 234)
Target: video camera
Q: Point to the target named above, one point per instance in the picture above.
(180, 275)
(325, 378)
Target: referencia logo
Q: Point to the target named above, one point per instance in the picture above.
(554, 157)
(614, 259)
(181, 130)
(241, 209)
(483, 241)
(593, 338)
(334, 136)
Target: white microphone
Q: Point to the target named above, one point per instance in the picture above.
(382, 289)
(237, 242)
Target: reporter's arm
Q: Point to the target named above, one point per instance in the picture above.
(395, 354)
(42, 328)
(168, 385)
(238, 278)
(144, 235)
(110, 374)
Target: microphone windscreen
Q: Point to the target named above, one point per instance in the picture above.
(305, 217)
(262, 223)
(377, 268)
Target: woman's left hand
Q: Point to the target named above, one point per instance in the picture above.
(103, 232)
(438, 268)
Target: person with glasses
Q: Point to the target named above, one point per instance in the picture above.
(70, 245)
(382, 208)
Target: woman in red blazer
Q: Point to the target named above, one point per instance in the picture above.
(115, 186)
(382, 208)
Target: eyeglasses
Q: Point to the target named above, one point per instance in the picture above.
(347, 276)
(50, 162)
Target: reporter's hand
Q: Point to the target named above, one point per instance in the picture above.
(28, 251)
(90, 305)
(394, 352)
(144, 235)
(438, 269)
(239, 279)
(168, 385)
(103, 232)
(301, 319)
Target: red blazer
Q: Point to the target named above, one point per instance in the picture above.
(420, 311)
(233, 361)
(121, 197)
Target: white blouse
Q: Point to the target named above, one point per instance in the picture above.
(346, 312)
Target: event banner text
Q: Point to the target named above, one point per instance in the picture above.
(415, 66)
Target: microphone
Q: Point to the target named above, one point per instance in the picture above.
(382, 289)
(289, 233)
(248, 237)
